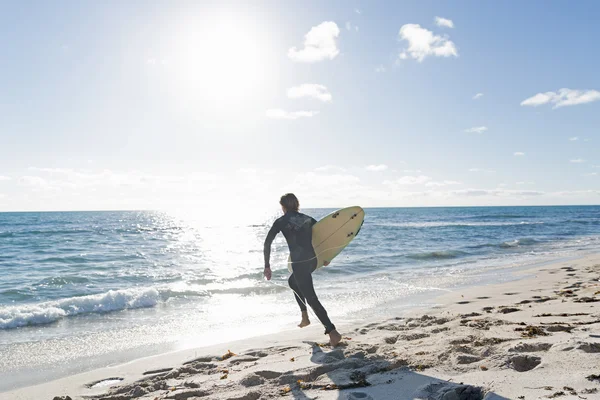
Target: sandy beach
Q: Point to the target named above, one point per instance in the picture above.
(536, 338)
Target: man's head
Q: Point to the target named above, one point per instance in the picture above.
(289, 202)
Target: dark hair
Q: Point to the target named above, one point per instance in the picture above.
(290, 202)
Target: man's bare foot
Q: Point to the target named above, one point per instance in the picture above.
(305, 321)
(334, 338)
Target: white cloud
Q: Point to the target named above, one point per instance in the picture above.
(444, 22)
(356, 10)
(350, 27)
(380, 68)
(443, 183)
(518, 154)
(319, 44)
(478, 96)
(377, 168)
(496, 192)
(573, 139)
(423, 43)
(409, 180)
(322, 180)
(577, 161)
(564, 97)
(477, 129)
(277, 113)
(330, 168)
(412, 171)
(591, 174)
(5, 178)
(314, 90)
(525, 183)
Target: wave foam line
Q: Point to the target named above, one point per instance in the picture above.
(45, 313)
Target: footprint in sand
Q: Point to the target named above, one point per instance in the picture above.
(358, 396)
(252, 380)
(268, 374)
(524, 363)
(157, 371)
(508, 310)
(104, 383)
(589, 347)
(463, 302)
(530, 347)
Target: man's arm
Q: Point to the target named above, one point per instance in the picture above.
(268, 241)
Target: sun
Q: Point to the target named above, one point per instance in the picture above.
(221, 60)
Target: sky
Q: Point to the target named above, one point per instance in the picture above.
(185, 105)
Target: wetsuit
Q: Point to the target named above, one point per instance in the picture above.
(297, 229)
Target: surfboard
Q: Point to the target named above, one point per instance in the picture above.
(334, 232)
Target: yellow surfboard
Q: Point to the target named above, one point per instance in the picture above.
(334, 232)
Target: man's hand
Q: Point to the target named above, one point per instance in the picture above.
(267, 273)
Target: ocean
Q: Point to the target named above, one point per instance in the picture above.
(81, 290)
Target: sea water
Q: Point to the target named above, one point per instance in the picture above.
(80, 290)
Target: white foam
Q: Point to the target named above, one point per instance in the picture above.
(47, 312)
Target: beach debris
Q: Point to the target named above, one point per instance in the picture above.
(543, 299)
(589, 391)
(531, 331)
(566, 293)
(556, 394)
(227, 355)
(303, 385)
(292, 359)
(285, 390)
(561, 315)
(483, 368)
(224, 376)
(593, 377)
(420, 367)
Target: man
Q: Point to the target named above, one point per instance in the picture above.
(297, 229)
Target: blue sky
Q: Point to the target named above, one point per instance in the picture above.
(139, 104)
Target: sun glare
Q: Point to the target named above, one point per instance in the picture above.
(222, 61)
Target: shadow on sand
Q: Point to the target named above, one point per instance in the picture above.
(357, 375)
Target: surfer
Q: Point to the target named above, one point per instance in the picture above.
(297, 229)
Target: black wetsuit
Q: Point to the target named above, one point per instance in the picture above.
(297, 229)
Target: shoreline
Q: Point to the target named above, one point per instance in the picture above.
(403, 305)
(543, 279)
